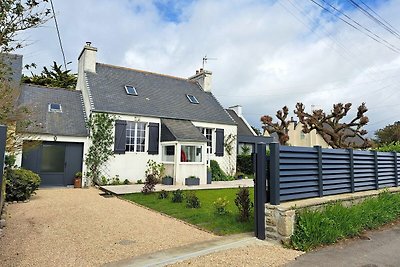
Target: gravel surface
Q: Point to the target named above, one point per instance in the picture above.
(262, 254)
(77, 227)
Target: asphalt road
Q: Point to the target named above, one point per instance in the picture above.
(378, 248)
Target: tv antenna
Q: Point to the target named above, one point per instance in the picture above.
(205, 58)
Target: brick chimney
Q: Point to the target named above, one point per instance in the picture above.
(203, 78)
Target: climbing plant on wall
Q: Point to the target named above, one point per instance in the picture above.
(101, 137)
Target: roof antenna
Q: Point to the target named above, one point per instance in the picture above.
(205, 58)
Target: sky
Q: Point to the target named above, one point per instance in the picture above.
(267, 54)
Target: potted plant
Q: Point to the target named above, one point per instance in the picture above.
(78, 180)
(167, 180)
(192, 180)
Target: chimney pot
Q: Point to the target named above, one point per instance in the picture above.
(88, 43)
(197, 71)
(201, 69)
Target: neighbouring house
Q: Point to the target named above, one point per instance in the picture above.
(176, 121)
(246, 137)
(298, 138)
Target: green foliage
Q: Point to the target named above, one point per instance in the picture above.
(163, 194)
(192, 201)
(21, 184)
(9, 161)
(139, 181)
(149, 184)
(101, 136)
(56, 77)
(126, 181)
(113, 181)
(220, 205)
(334, 222)
(17, 16)
(244, 164)
(155, 169)
(205, 217)
(78, 175)
(389, 134)
(242, 201)
(217, 173)
(392, 147)
(245, 150)
(177, 196)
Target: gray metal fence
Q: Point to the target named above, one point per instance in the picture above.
(306, 172)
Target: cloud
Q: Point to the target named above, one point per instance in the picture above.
(269, 53)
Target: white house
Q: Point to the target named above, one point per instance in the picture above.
(176, 121)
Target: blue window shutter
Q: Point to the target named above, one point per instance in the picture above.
(219, 142)
(120, 137)
(154, 138)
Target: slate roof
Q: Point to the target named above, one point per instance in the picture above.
(242, 128)
(158, 95)
(70, 122)
(180, 130)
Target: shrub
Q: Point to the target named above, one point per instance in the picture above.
(244, 204)
(163, 194)
(139, 181)
(326, 226)
(126, 181)
(149, 184)
(244, 164)
(217, 173)
(392, 147)
(21, 184)
(220, 205)
(155, 169)
(177, 196)
(192, 201)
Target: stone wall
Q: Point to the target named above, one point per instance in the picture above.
(280, 219)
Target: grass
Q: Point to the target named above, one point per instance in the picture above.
(204, 217)
(335, 222)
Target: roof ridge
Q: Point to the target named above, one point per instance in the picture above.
(145, 71)
(51, 87)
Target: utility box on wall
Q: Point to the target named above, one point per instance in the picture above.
(3, 134)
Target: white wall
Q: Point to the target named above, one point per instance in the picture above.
(227, 162)
(298, 138)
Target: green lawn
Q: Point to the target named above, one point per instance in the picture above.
(205, 216)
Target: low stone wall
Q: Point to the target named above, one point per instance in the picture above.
(280, 219)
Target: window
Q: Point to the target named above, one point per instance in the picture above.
(302, 135)
(191, 154)
(135, 136)
(53, 158)
(207, 132)
(54, 107)
(168, 153)
(192, 99)
(130, 90)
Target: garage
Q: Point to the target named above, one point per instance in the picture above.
(55, 162)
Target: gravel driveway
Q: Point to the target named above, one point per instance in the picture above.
(77, 227)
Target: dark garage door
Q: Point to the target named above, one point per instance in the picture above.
(55, 162)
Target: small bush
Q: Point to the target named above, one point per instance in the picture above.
(392, 147)
(217, 173)
(21, 184)
(126, 181)
(244, 204)
(244, 164)
(334, 222)
(139, 181)
(177, 196)
(163, 194)
(149, 184)
(192, 201)
(220, 205)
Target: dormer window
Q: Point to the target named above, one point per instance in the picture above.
(54, 107)
(130, 90)
(192, 99)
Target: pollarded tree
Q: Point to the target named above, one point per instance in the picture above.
(389, 134)
(336, 133)
(280, 127)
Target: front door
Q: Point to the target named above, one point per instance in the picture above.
(55, 162)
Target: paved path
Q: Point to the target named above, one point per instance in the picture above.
(379, 248)
(136, 188)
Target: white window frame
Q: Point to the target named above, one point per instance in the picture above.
(210, 142)
(55, 110)
(134, 89)
(129, 145)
